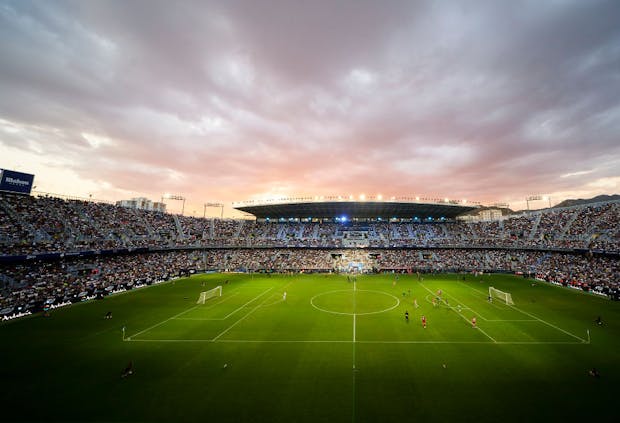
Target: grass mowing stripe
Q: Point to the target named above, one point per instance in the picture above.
(465, 318)
(251, 311)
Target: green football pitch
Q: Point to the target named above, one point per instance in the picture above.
(333, 350)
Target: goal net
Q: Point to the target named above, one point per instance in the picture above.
(204, 296)
(504, 296)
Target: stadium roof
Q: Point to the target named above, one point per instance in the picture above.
(354, 209)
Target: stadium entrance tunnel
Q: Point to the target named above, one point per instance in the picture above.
(358, 302)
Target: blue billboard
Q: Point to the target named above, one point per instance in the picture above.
(15, 181)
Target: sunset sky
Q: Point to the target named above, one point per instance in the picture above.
(223, 101)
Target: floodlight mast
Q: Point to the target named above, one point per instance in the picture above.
(175, 197)
(538, 198)
(532, 198)
(220, 205)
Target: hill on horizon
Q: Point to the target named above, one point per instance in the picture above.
(580, 201)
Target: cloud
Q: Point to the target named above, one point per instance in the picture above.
(579, 173)
(230, 100)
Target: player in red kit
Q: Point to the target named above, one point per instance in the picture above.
(424, 322)
(473, 322)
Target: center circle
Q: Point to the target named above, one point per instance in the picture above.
(359, 302)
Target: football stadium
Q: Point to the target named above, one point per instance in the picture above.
(343, 211)
(314, 311)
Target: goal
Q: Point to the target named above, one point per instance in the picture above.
(204, 296)
(504, 296)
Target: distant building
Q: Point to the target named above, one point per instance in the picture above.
(490, 214)
(160, 207)
(482, 215)
(141, 203)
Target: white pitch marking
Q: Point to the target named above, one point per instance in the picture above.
(350, 314)
(253, 299)
(212, 305)
(474, 311)
(161, 323)
(485, 295)
(267, 341)
(549, 324)
(465, 318)
(537, 318)
(246, 315)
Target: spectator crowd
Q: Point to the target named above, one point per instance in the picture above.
(30, 225)
(540, 244)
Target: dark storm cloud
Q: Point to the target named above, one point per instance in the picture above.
(484, 100)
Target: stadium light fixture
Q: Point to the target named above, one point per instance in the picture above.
(219, 205)
(175, 197)
(363, 197)
(532, 198)
(379, 197)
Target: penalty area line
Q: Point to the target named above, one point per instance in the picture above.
(465, 318)
(162, 322)
(252, 300)
(549, 324)
(246, 315)
(531, 315)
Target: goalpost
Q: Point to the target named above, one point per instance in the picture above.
(215, 292)
(504, 296)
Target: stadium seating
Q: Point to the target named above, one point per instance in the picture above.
(574, 246)
(40, 225)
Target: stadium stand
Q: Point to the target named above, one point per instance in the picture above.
(59, 250)
(31, 225)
